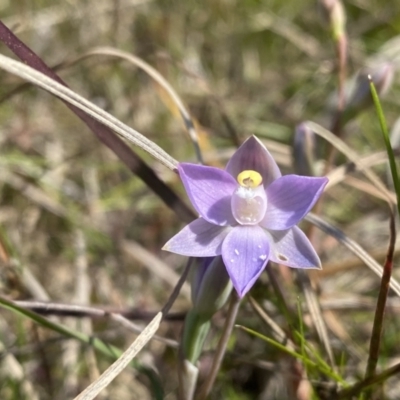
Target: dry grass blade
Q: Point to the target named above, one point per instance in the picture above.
(368, 188)
(352, 156)
(340, 174)
(278, 333)
(104, 380)
(316, 313)
(353, 247)
(37, 78)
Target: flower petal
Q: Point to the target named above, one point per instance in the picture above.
(252, 155)
(290, 198)
(198, 239)
(210, 190)
(293, 249)
(245, 252)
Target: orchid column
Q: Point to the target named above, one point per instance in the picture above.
(248, 216)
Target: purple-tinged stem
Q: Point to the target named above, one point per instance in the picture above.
(381, 303)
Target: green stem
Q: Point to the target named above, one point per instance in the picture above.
(194, 334)
(222, 345)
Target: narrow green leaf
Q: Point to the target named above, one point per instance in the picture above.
(392, 160)
(322, 367)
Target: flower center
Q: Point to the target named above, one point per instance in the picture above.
(249, 201)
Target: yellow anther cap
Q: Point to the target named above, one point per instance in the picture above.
(249, 179)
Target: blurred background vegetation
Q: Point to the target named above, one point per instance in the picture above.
(77, 227)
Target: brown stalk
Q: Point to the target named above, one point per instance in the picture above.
(381, 303)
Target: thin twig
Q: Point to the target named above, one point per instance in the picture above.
(79, 311)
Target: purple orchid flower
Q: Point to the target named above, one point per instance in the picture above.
(248, 214)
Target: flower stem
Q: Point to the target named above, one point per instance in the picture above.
(223, 342)
(194, 334)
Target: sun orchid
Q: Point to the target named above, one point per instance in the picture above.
(248, 214)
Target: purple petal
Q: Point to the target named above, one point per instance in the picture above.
(290, 198)
(252, 155)
(245, 252)
(210, 190)
(198, 239)
(292, 248)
